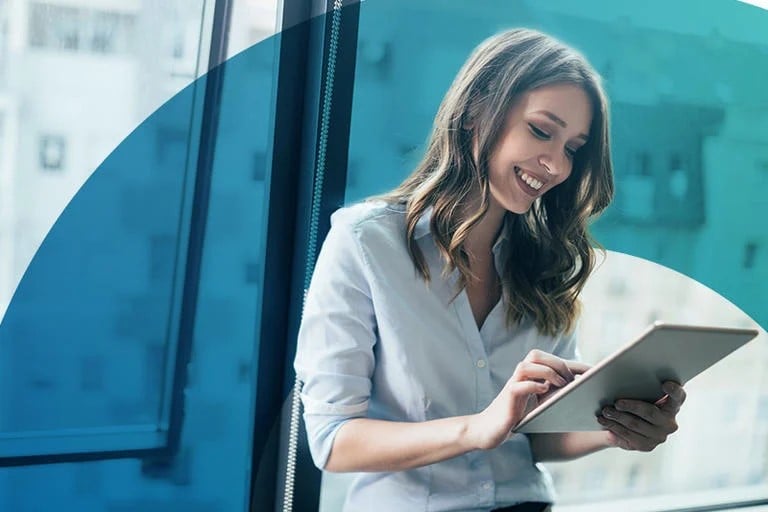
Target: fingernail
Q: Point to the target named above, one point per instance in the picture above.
(608, 413)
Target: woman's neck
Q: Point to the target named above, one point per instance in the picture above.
(479, 242)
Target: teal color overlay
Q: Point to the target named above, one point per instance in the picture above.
(686, 81)
(100, 287)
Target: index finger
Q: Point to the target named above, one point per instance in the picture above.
(566, 369)
(577, 367)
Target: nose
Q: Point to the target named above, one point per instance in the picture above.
(554, 166)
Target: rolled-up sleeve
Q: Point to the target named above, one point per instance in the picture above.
(334, 357)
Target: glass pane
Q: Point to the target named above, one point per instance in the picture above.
(688, 109)
(120, 378)
(261, 16)
(94, 239)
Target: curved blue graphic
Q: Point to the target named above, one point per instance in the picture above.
(93, 322)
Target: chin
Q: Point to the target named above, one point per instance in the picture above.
(512, 203)
(518, 208)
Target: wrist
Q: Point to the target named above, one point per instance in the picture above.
(469, 429)
(608, 440)
(477, 435)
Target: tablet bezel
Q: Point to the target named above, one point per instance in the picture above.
(550, 404)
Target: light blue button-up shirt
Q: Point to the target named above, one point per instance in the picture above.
(377, 341)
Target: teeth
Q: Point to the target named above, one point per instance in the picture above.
(532, 182)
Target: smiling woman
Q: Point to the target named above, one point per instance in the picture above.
(678, 120)
(420, 383)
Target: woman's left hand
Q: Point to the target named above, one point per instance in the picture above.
(642, 426)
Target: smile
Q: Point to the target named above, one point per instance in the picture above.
(529, 182)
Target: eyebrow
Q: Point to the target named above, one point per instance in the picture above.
(559, 121)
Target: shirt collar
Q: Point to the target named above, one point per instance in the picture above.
(422, 225)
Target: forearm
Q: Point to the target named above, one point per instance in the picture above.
(567, 445)
(364, 444)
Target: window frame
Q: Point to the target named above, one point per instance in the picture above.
(304, 55)
(159, 441)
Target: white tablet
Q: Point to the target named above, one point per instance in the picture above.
(637, 370)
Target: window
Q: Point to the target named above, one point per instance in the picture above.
(52, 152)
(99, 269)
(147, 291)
(79, 29)
(96, 265)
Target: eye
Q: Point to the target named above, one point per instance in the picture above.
(538, 132)
(570, 152)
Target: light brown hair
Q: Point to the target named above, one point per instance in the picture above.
(550, 254)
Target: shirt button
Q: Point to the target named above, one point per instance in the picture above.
(481, 363)
(487, 485)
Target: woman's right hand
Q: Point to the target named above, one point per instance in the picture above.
(534, 379)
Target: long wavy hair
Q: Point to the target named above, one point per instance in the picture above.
(550, 251)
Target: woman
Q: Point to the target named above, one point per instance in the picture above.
(442, 312)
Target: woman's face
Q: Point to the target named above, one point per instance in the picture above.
(544, 129)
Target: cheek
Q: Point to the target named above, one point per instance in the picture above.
(566, 176)
(498, 174)
(570, 168)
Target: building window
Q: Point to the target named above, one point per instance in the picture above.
(54, 27)
(79, 29)
(52, 152)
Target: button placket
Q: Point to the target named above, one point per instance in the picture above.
(475, 346)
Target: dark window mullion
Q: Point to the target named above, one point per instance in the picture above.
(307, 479)
(302, 80)
(282, 174)
(200, 198)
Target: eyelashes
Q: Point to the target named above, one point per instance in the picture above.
(538, 132)
(542, 135)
